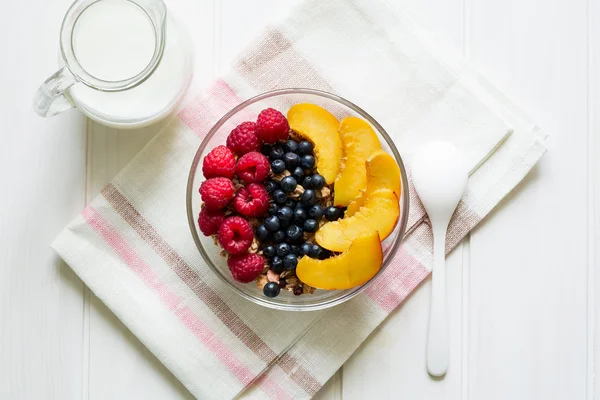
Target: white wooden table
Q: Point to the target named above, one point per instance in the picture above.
(522, 301)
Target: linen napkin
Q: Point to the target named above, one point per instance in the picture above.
(132, 246)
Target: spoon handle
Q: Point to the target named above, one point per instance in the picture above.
(437, 340)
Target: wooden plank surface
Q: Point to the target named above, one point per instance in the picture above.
(521, 291)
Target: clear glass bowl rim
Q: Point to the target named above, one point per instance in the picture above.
(402, 221)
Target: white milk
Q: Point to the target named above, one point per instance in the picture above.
(114, 40)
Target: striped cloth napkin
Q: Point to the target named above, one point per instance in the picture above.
(132, 246)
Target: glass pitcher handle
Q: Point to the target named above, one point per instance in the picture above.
(50, 99)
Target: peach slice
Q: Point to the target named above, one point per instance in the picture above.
(359, 141)
(319, 126)
(380, 212)
(354, 267)
(382, 173)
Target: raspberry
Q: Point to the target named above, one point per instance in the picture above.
(219, 162)
(246, 267)
(253, 167)
(235, 235)
(252, 200)
(216, 193)
(210, 221)
(243, 139)
(273, 126)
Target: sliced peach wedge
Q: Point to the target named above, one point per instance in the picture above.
(320, 127)
(382, 173)
(357, 265)
(380, 213)
(359, 141)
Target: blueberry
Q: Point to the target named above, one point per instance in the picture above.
(298, 173)
(295, 250)
(291, 160)
(305, 148)
(290, 146)
(291, 203)
(271, 289)
(272, 223)
(333, 213)
(270, 186)
(290, 262)
(273, 209)
(279, 236)
(315, 251)
(278, 166)
(317, 181)
(283, 249)
(279, 196)
(306, 182)
(285, 224)
(298, 291)
(309, 197)
(269, 251)
(300, 215)
(277, 264)
(276, 154)
(266, 149)
(288, 184)
(285, 214)
(304, 248)
(307, 162)
(324, 254)
(294, 232)
(311, 225)
(262, 233)
(316, 212)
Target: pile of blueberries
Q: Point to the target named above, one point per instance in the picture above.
(282, 233)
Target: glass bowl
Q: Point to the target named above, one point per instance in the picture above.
(282, 100)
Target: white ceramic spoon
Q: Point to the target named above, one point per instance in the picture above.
(440, 175)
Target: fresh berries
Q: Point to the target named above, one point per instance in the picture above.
(235, 235)
(245, 267)
(288, 184)
(305, 148)
(283, 249)
(243, 139)
(278, 166)
(290, 262)
(291, 160)
(279, 196)
(273, 126)
(277, 264)
(269, 251)
(272, 223)
(210, 221)
(290, 146)
(271, 289)
(311, 225)
(333, 213)
(253, 167)
(317, 181)
(307, 162)
(309, 197)
(219, 162)
(294, 233)
(216, 193)
(285, 213)
(316, 212)
(251, 200)
(262, 233)
(276, 153)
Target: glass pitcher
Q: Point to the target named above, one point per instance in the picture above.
(125, 63)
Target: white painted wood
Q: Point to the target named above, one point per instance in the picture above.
(42, 176)
(529, 259)
(521, 293)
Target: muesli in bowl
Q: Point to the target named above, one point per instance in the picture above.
(300, 202)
